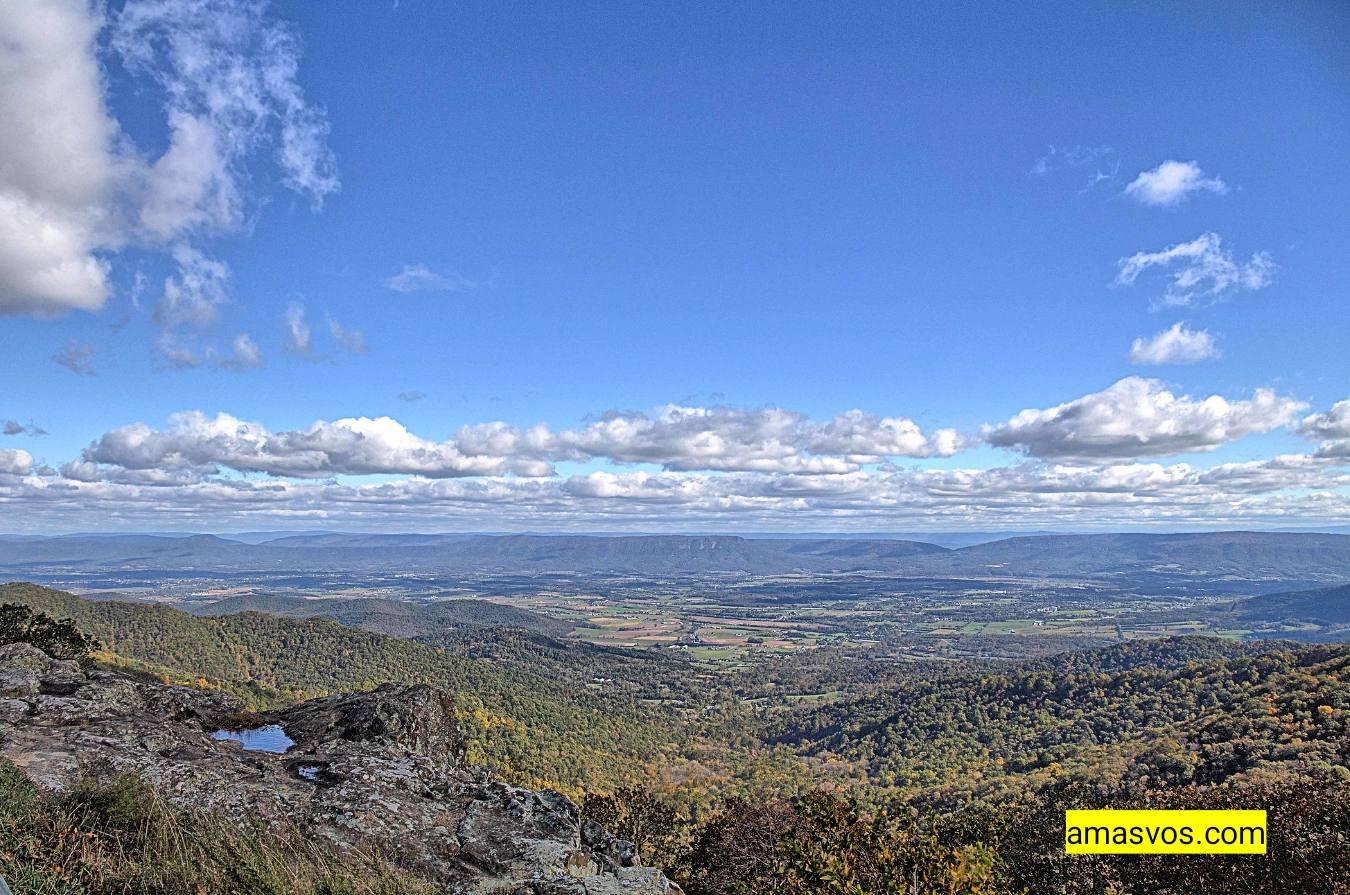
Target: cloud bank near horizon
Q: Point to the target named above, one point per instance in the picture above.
(1125, 454)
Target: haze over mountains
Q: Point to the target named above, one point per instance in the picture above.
(1219, 556)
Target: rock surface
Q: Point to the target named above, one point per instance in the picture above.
(382, 770)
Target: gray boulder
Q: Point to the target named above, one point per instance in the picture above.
(382, 770)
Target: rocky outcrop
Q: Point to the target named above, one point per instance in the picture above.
(382, 770)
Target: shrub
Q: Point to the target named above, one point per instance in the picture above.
(58, 638)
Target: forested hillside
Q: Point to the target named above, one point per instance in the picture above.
(1328, 606)
(953, 775)
(1186, 710)
(398, 618)
(535, 724)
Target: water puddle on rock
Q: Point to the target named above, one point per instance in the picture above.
(260, 739)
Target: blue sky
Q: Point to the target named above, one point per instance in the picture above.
(921, 212)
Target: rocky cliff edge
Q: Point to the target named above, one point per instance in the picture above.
(382, 770)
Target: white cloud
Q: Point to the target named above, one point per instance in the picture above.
(420, 278)
(1198, 269)
(350, 339)
(868, 438)
(769, 440)
(1277, 491)
(15, 462)
(1171, 182)
(1334, 423)
(1178, 344)
(737, 468)
(58, 160)
(355, 446)
(298, 336)
(702, 438)
(677, 438)
(193, 296)
(74, 190)
(228, 75)
(1140, 418)
(1334, 426)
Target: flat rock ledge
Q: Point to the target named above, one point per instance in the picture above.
(382, 770)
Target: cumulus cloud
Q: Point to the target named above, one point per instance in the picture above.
(77, 357)
(59, 163)
(868, 438)
(15, 462)
(766, 440)
(298, 335)
(737, 467)
(420, 278)
(1178, 344)
(1276, 491)
(1199, 269)
(75, 190)
(676, 438)
(1138, 417)
(1333, 426)
(1171, 182)
(355, 446)
(702, 438)
(1334, 423)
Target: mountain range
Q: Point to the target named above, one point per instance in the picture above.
(1284, 558)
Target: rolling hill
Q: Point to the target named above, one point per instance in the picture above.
(1219, 561)
(397, 618)
(529, 715)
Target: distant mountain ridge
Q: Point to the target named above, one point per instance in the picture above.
(1296, 558)
(1326, 608)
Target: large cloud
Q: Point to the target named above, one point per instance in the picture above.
(59, 164)
(73, 188)
(1138, 417)
(677, 438)
(356, 446)
(194, 472)
(768, 440)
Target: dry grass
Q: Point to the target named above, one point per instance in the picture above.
(119, 838)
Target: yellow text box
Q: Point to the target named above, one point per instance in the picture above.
(1131, 832)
